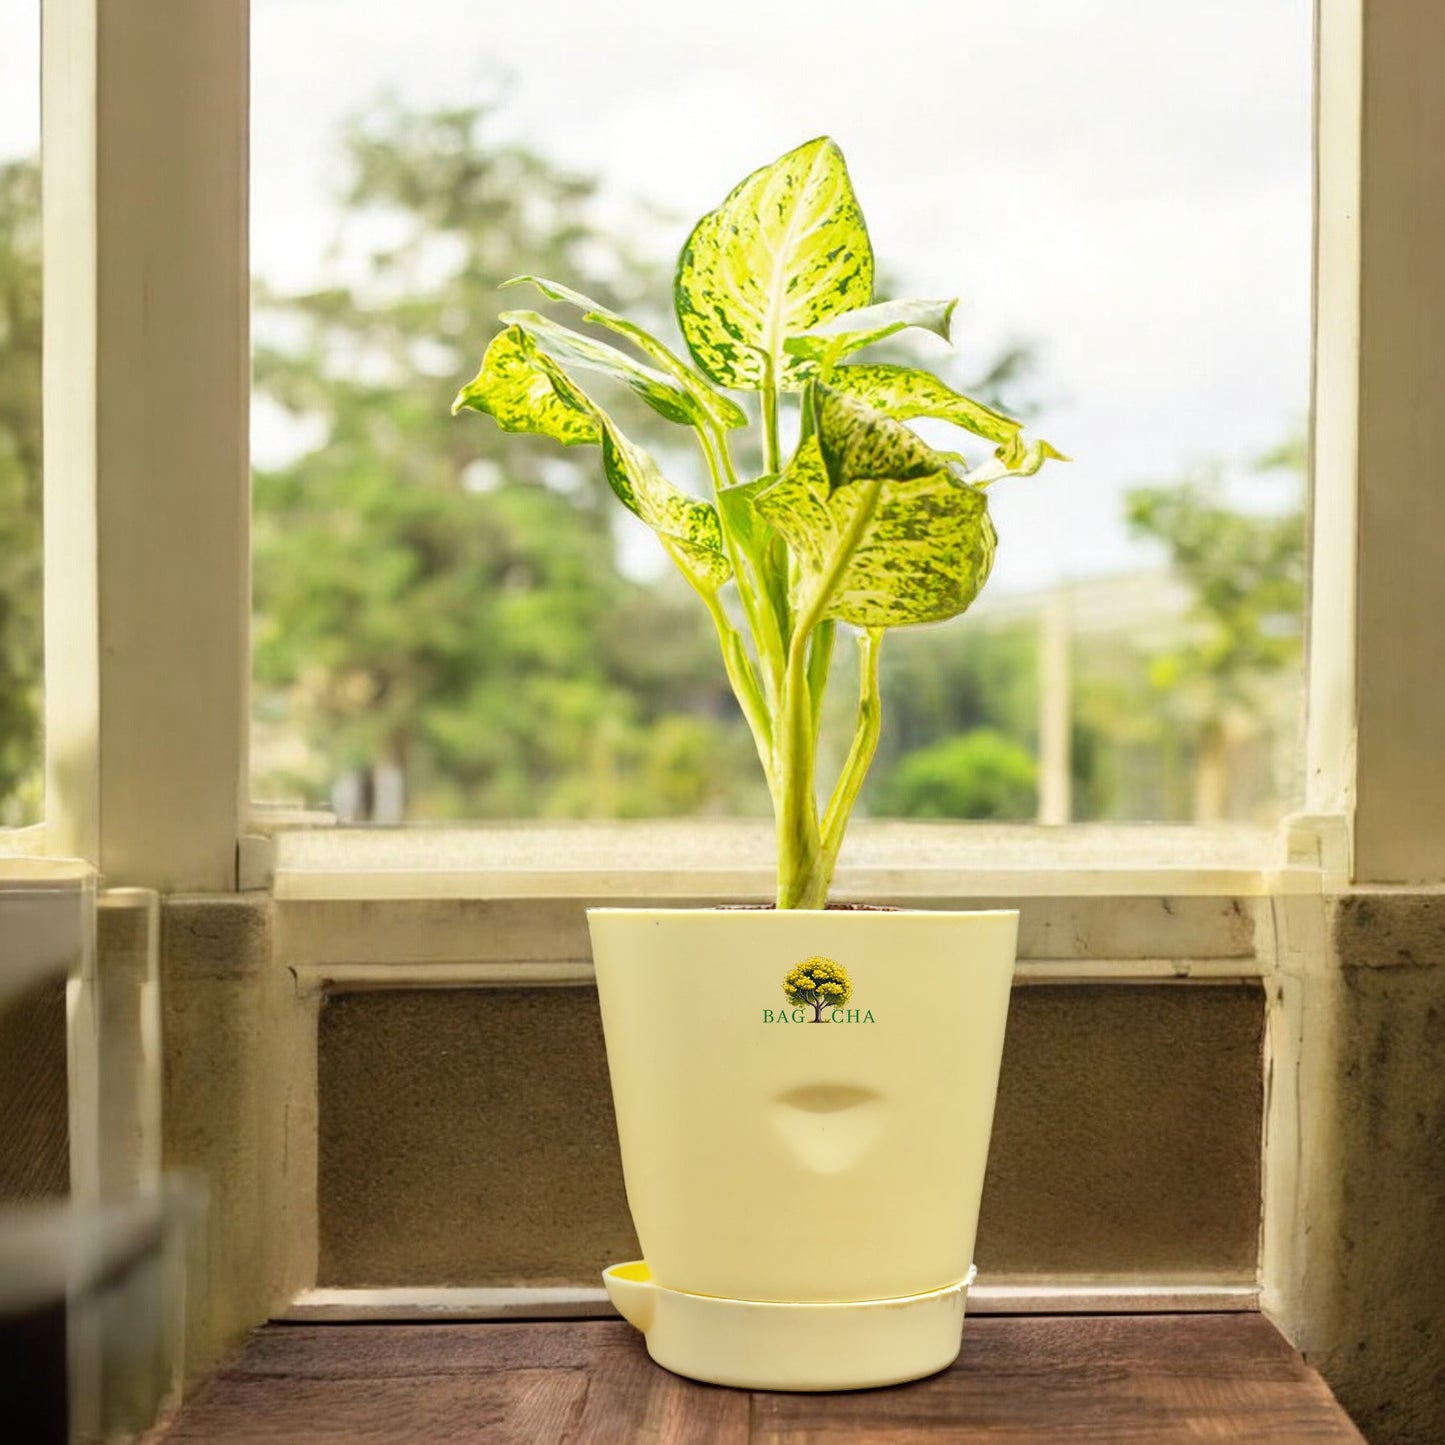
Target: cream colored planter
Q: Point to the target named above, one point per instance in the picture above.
(806, 1193)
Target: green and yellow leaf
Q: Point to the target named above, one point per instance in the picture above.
(687, 527)
(520, 390)
(723, 410)
(525, 390)
(925, 556)
(859, 443)
(745, 524)
(668, 399)
(904, 392)
(798, 504)
(755, 538)
(888, 552)
(1018, 460)
(853, 330)
(786, 251)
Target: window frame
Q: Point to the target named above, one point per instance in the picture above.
(146, 416)
(147, 718)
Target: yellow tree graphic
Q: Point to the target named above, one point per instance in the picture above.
(818, 983)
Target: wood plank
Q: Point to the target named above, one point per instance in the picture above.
(515, 1405)
(1147, 1379)
(369, 1350)
(1155, 1379)
(34, 1095)
(633, 1400)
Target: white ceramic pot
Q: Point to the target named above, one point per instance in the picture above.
(804, 1177)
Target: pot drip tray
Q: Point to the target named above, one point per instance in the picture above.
(773, 1345)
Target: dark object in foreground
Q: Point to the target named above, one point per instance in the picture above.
(1145, 1378)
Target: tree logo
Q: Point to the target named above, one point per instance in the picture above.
(823, 985)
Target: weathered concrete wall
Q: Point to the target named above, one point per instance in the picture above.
(1127, 1137)
(467, 1136)
(237, 1043)
(1375, 1293)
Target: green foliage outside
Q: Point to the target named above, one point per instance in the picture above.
(1247, 576)
(445, 602)
(20, 502)
(980, 774)
(1238, 667)
(943, 684)
(1199, 722)
(818, 983)
(381, 638)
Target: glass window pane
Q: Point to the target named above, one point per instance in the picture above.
(453, 622)
(21, 765)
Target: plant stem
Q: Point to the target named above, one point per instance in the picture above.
(860, 754)
(820, 662)
(772, 452)
(800, 884)
(805, 869)
(744, 682)
(719, 457)
(757, 608)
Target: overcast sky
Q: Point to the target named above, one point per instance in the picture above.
(1123, 182)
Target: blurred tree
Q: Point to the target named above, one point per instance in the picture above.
(941, 684)
(440, 609)
(953, 678)
(978, 774)
(1128, 759)
(20, 494)
(438, 604)
(1246, 571)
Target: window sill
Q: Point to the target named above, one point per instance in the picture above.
(709, 860)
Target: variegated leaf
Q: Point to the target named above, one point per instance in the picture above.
(853, 330)
(797, 503)
(660, 392)
(786, 250)
(1017, 460)
(858, 442)
(925, 556)
(744, 522)
(903, 392)
(687, 527)
(755, 537)
(922, 548)
(723, 410)
(527, 391)
(521, 391)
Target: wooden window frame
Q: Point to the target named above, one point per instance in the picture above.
(147, 418)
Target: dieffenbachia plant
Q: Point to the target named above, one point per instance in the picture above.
(862, 524)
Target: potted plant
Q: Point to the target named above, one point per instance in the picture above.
(806, 1197)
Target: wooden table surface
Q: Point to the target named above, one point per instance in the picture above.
(1120, 1378)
